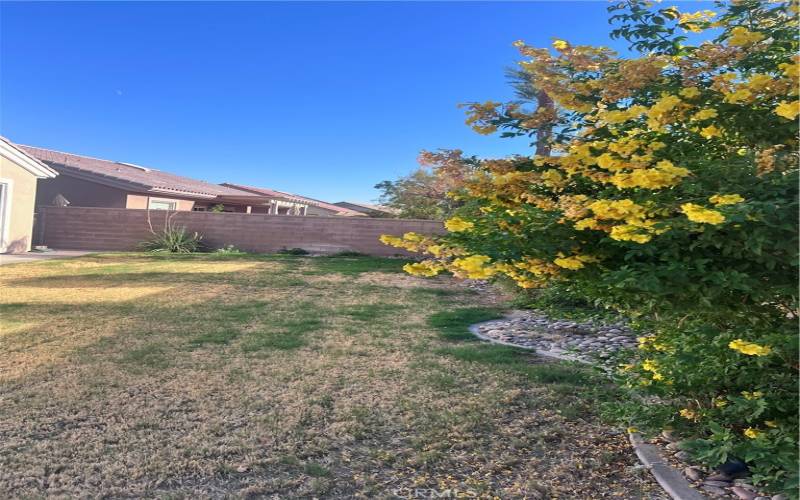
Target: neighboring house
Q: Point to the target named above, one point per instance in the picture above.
(369, 209)
(19, 175)
(92, 182)
(312, 206)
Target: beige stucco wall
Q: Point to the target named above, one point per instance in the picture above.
(22, 196)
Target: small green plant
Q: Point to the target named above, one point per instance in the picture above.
(347, 253)
(292, 251)
(174, 240)
(218, 208)
(316, 470)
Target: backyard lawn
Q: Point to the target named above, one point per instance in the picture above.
(248, 376)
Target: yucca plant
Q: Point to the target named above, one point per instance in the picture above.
(172, 238)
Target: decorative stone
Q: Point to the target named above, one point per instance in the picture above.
(715, 490)
(779, 497)
(669, 436)
(742, 493)
(721, 484)
(693, 473)
(683, 456)
(720, 476)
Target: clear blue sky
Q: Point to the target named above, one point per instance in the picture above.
(321, 99)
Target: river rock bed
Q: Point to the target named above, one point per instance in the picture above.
(583, 341)
(713, 483)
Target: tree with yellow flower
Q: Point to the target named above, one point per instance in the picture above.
(667, 190)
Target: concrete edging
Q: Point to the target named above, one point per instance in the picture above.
(668, 477)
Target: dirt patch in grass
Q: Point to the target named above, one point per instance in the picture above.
(198, 376)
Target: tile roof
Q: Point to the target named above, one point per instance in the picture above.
(129, 176)
(368, 206)
(295, 197)
(21, 158)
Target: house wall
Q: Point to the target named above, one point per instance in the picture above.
(79, 192)
(121, 229)
(20, 206)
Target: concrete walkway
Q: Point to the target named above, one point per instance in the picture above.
(14, 258)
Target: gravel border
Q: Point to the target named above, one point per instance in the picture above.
(668, 477)
(555, 353)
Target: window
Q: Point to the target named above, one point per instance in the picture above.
(157, 204)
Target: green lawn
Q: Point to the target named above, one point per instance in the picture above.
(249, 376)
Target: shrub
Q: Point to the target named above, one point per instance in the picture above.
(172, 238)
(672, 198)
(292, 251)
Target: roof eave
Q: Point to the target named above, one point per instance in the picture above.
(26, 161)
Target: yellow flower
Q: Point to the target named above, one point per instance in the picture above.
(752, 395)
(690, 92)
(423, 269)
(665, 174)
(587, 223)
(608, 162)
(627, 232)
(788, 110)
(569, 263)
(771, 423)
(475, 266)
(705, 114)
(552, 178)
(726, 199)
(741, 95)
(658, 376)
(791, 70)
(752, 433)
(457, 224)
(749, 348)
(560, 44)
(435, 250)
(711, 131)
(741, 36)
(632, 430)
(617, 209)
(392, 241)
(696, 213)
(720, 402)
(760, 81)
(688, 414)
(649, 365)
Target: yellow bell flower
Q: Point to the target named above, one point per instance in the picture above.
(749, 348)
(697, 213)
(788, 110)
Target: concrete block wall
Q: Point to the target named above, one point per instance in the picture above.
(90, 228)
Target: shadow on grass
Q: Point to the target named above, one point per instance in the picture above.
(454, 325)
(352, 266)
(582, 389)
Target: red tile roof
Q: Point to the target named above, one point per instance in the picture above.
(129, 176)
(295, 197)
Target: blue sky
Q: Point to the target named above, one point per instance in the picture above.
(321, 99)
